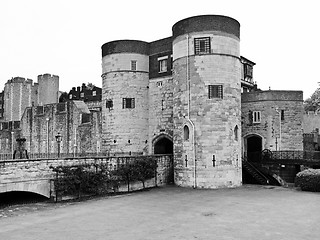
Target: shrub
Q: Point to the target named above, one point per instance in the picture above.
(308, 180)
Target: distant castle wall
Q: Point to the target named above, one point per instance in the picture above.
(48, 89)
(276, 116)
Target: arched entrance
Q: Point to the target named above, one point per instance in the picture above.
(253, 147)
(163, 145)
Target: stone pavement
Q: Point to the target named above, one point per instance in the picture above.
(248, 212)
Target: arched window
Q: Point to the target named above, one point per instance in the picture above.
(235, 131)
(186, 133)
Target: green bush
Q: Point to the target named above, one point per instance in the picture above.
(308, 180)
(74, 180)
(98, 179)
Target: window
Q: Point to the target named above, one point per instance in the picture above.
(235, 131)
(163, 64)
(82, 94)
(215, 91)
(85, 117)
(61, 107)
(282, 115)
(159, 84)
(16, 124)
(128, 103)
(134, 65)
(109, 104)
(256, 116)
(5, 125)
(94, 93)
(248, 70)
(70, 96)
(39, 110)
(202, 45)
(186, 133)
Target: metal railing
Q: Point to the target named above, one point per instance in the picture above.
(32, 156)
(285, 157)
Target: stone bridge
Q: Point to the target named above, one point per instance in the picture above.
(36, 176)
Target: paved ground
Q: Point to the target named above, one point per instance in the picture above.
(249, 212)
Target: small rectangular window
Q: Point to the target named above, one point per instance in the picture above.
(16, 124)
(256, 116)
(109, 104)
(282, 115)
(133, 65)
(202, 45)
(70, 96)
(82, 94)
(248, 70)
(94, 93)
(163, 65)
(5, 125)
(40, 110)
(128, 103)
(61, 107)
(159, 84)
(85, 117)
(215, 91)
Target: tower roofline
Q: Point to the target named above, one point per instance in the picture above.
(206, 23)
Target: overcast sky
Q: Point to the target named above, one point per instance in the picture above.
(64, 37)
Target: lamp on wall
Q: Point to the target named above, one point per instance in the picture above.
(58, 139)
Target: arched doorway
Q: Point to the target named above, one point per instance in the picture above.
(163, 146)
(253, 147)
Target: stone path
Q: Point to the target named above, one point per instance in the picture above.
(248, 212)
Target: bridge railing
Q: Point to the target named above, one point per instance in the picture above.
(286, 156)
(31, 156)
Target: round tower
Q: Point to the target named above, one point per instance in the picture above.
(207, 102)
(125, 75)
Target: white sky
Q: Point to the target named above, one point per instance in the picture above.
(64, 37)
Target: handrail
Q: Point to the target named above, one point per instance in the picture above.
(256, 169)
(84, 158)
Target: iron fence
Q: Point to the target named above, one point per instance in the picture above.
(10, 156)
(285, 157)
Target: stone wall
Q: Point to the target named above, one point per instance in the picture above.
(48, 89)
(125, 128)
(80, 129)
(35, 175)
(271, 105)
(17, 96)
(160, 110)
(211, 156)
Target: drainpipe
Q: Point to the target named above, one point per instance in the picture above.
(188, 118)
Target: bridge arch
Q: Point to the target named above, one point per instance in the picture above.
(41, 187)
(162, 144)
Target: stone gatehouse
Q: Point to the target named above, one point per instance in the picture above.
(192, 95)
